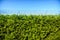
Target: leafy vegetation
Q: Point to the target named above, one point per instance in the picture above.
(31, 27)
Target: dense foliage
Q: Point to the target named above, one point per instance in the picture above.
(31, 27)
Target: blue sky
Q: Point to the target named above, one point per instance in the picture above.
(30, 5)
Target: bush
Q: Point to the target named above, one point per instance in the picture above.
(32, 27)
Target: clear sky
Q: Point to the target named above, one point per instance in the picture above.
(30, 5)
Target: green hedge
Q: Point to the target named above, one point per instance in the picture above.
(31, 27)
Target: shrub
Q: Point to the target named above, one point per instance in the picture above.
(32, 27)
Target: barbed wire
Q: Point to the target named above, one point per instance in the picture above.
(37, 12)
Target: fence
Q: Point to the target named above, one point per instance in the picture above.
(33, 12)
